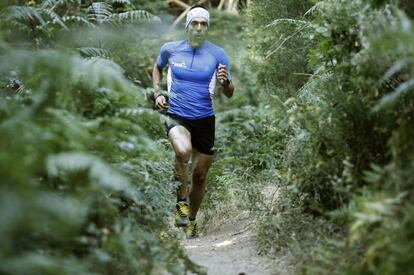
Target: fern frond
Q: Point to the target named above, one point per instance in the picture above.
(391, 98)
(56, 19)
(52, 4)
(99, 172)
(289, 21)
(135, 16)
(398, 66)
(77, 19)
(89, 52)
(91, 73)
(95, 72)
(99, 11)
(21, 26)
(311, 10)
(18, 86)
(74, 128)
(130, 112)
(47, 4)
(122, 2)
(24, 13)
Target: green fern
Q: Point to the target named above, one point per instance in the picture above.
(135, 16)
(395, 95)
(78, 19)
(99, 11)
(98, 172)
(290, 21)
(25, 14)
(123, 2)
(55, 19)
(98, 71)
(53, 4)
(85, 185)
(89, 52)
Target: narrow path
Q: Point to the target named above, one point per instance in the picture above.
(230, 248)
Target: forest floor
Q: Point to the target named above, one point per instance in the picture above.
(229, 247)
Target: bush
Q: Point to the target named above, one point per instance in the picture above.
(347, 157)
(85, 187)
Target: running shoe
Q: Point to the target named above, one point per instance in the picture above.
(191, 230)
(181, 214)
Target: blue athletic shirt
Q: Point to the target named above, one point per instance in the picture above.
(191, 77)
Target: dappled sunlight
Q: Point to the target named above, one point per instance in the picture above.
(224, 243)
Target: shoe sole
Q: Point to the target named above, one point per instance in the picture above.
(182, 224)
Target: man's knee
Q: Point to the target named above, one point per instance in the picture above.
(183, 154)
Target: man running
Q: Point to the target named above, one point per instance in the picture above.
(194, 66)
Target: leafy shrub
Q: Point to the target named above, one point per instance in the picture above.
(278, 55)
(85, 187)
(347, 157)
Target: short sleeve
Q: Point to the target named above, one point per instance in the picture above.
(224, 59)
(162, 59)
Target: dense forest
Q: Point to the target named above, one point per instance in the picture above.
(316, 143)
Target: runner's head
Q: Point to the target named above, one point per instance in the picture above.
(198, 12)
(197, 25)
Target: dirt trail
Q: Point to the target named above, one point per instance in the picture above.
(230, 248)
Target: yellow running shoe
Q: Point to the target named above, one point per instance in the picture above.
(181, 214)
(191, 230)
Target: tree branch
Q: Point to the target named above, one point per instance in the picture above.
(179, 3)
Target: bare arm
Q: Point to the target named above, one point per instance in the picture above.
(228, 88)
(160, 100)
(156, 79)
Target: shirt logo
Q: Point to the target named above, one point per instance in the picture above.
(179, 65)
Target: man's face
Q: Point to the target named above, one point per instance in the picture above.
(197, 31)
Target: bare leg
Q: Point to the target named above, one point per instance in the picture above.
(201, 163)
(180, 138)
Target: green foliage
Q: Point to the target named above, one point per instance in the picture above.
(115, 30)
(227, 31)
(324, 158)
(247, 142)
(278, 55)
(86, 181)
(346, 158)
(151, 6)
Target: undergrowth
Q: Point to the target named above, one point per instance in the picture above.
(325, 161)
(86, 179)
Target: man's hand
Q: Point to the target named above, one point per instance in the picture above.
(226, 85)
(222, 75)
(161, 102)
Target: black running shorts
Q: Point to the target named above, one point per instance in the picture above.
(202, 131)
